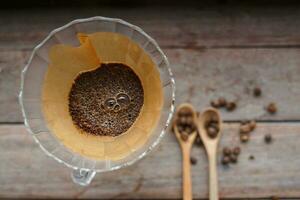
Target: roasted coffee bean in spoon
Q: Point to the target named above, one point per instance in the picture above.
(212, 131)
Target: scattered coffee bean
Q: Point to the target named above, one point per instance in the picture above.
(257, 92)
(215, 104)
(245, 128)
(236, 151)
(251, 157)
(244, 138)
(252, 125)
(226, 151)
(184, 136)
(222, 102)
(225, 160)
(193, 161)
(212, 131)
(233, 158)
(272, 108)
(268, 138)
(230, 106)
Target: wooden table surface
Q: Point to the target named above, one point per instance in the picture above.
(213, 52)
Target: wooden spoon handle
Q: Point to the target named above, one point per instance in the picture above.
(186, 167)
(213, 180)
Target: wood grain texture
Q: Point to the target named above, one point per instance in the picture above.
(196, 26)
(226, 50)
(25, 171)
(231, 73)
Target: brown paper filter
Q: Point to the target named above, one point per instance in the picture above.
(66, 62)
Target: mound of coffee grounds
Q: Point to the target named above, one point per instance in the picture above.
(107, 100)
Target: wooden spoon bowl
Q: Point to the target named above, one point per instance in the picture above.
(207, 116)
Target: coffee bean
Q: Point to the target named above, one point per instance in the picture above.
(252, 125)
(184, 136)
(233, 158)
(251, 157)
(193, 161)
(256, 92)
(225, 160)
(244, 138)
(222, 102)
(188, 130)
(189, 120)
(215, 103)
(183, 112)
(236, 151)
(212, 132)
(245, 128)
(214, 119)
(226, 151)
(230, 106)
(214, 124)
(183, 120)
(268, 138)
(272, 108)
(180, 128)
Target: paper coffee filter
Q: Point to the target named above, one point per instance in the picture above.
(66, 62)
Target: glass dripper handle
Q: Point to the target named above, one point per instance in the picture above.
(83, 177)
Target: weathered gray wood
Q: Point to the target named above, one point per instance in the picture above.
(215, 72)
(171, 26)
(11, 65)
(26, 172)
(233, 73)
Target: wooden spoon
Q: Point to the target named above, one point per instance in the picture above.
(186, 146)
(211, 145)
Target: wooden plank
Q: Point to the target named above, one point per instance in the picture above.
(180, 26)
(26, 172)
(201, 75)
(11, 65)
